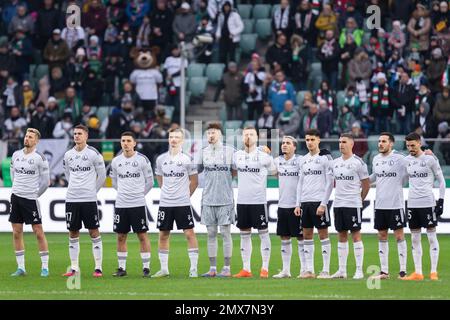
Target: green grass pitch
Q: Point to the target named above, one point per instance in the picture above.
(179, 286)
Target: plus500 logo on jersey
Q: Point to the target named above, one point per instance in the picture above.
(129, 175)
(312, 173)
(80, 169)
(23, 171)
(418, 175)
(247, 169)
(174, 174)
(288, 174)
(387, 175)
(218, 168)
(347, 178)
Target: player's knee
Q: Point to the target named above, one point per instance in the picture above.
(94, 233)
(382, 235)
(121, 237)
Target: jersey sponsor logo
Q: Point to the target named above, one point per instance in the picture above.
(129, 175)
(345, 178)
(79, 169)
(24, 171)
(385, 174)
(288, 174)
(247, 169)
(418, 175)
(312, 172)
(217, 168)
(173, 174)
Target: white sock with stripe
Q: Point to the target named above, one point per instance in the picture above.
(434, 250)
(286, 254)
(20, 259)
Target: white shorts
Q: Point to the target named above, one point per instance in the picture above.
(218, 215)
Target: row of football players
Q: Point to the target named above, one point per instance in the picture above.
(305, 186)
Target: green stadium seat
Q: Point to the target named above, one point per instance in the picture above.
(245, 10)
(340, 96)
(446, 171)
(263, 28)
(274, 7)
(233, 124)
(248, 43)
(214, 72)
(249, 24)
(6, 174)
(249, 123)
(197, 86)
(372, 141)
(38, 71)
(196, 70)
(261, 11)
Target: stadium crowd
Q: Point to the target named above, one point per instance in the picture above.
(393, 78)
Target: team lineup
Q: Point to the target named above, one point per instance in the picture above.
(305, 186)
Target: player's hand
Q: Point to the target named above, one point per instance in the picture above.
(321, 210)
(298, 211)
(439, 209)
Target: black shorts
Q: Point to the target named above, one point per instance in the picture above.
(393, 219)
(288, 224)
(86, 212)
(127, 218)
(252, 216)
(24, 211)
(310, 219)
(183, 216)
(422, 218)
(347, 219)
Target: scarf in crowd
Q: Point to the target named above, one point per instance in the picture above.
(384, 103)
(306, 24)
(328, 47)
(420, 98)
(327, 97)
(281, 18)
(286, 116)
(279, 87)
(9, 93)
(445, 76)
(310, 122)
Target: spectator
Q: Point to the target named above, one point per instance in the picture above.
(53, 109)
(393, 62)
(203, 51)
(144, 32)
(279, 55)
(120, 121)
(310, 119)
(111, 74)
(419, 27)
(11, 95)
(231, 84)
(184, 24)
(329, 95)
(215, 7)
(64, 127)
(56, 52)
(360, 68)
(324, 119)
(86, 113)
(94, 19)
(172, 67)
(308, 99)
(14, 130)
(350, 12)
(74, 37)
(111, 44)
(27, 94)
(380, 109)
(401, 10)
(351, 28)
(22, 21)
(282, 21)
(43, 91)
(22, 50)
(7, 60)
(345, 120)
(288, 122)
(228, 34)
(71, 102)
(328, 54)
(280, 90)
(115, 13)
(253, 88)
(361, 146)
(376, 51)
(201, 10)
(441, 110)
(58, 82)
(435, 70)
(76, 69)
(327, 21)
(424, 95)
(129, 94)
(126, 40)
(94, 48)
(42, 121)
(92, 89)
(441, 18)
(161, 18)
(135, 12)
(345, 55)
(9, 11)
(265, 123)
(304, 24)
(299, 63)
(397, 38)
(48, 19)
(424, 121)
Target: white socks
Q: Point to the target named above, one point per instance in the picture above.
(326, 254)
(164, 259)
(225, 231)
(434, 250)
(122, 258)
(286, 254)
(383, 252)
(358, 249)
(212, 246)
(417, 251)
(20, 258)
(74, 252)
(309, 255)
(342, 256)
(265, 247)
(193, 257)
(44, 259)
(301, 255)
(402, 254)
(246, 249)
(145, 256)
(97, 250)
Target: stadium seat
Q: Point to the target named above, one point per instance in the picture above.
(248, 25)
(223, 114)
(263, 28)
(37, 71)
(446, 171)
(214, 72)
(315, 76)
(249, 123)
(245, 10)
(372, 141)
(169, 111)
(274, 7)
(261, 11)
(248, 43)
(233, 124)
(197, 86)
(103, 112)
(196, 70)
(340, 96)
(6, 175)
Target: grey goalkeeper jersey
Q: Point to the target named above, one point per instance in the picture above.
(389, 174)
(216, 165)
(85, 172)
(422, 171)
(288, 173)
(28, 173)
(133, 178)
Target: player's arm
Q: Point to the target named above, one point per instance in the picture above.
(193, 183)
(159, 172)
(101, 172)
(11, 169)
(160, 181)
(329, 182)
(66, 168)
(113, 174)
(298, 210)
(44, 181)
(148, 177)
(365, 187)
(373, 179)
(437, 171)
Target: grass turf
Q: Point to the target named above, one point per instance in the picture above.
(179, 286)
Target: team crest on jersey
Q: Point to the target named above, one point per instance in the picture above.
(179, 163)
(391, 163)
(84, 158)
(134, 164)
(318, 161)
(349, 167)
(423, 164)
(31, 161)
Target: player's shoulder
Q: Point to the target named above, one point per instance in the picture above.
(17, 153)
(162, 156)
(358, 160)
(93, 150)
(431, 158)
(69, 152)
(41, 156)
(143, 157)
